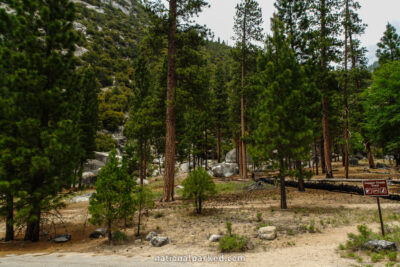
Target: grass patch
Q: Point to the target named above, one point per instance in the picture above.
(230, 187)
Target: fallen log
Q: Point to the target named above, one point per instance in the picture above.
(326, 185)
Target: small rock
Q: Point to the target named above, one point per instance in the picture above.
(215, 238)
(159, 241)
(151, 235)
(378, 245)
(138, 241)
(179, 186)
(62, 238)
(267, 233)
(100, 232)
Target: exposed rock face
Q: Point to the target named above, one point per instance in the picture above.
(225, 169)
(184, 167)
(159, 241)
(378, 245)
(267, 233)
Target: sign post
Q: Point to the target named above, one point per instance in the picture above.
(376, 188)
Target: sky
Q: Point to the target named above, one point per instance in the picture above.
(375, 13)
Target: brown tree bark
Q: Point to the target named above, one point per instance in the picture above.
(346, 105)
(299, 168)
(33, 228)
(242, 101)
(370, 156)
(282, 185)
(10, 218)
(218, 145)
(169, 176)
(321, 150)
(316, 157)
(327, 149)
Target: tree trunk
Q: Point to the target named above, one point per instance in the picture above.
(205, 149)
(316, 157)
(346, 105)
(219, 145)
(80, 175)
(109, 230)
(327, 149)
(300, 178)
(321, 150)
(33, 228)
(242, 100)
(10, 218)
(199, 208)
(169, 176)
(145, 160)
(282, 185)
(240, 160)
(369, 155)
(139, 217)
(141, 172)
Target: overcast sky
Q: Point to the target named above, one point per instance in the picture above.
(375, 13)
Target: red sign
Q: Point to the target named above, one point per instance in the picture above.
(375, 188)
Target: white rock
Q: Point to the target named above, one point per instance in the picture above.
(145, 182)
(225, 169)
(267, 233)
(151, 235)
(159, 241)
(215, 238)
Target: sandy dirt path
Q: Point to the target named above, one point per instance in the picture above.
(308, 250)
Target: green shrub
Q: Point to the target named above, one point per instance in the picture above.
(197, 186)
(119, 236)
(357, 241)
(392, 256)
(233, 243)
(105, 142)
(375, 257)
(259, 216)
(229, 228)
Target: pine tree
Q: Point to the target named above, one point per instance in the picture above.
(324, 19)
(179, 10)
(284, 130)
(220, 105)
(389, 46)
(87, 116)
(247, 27)
(113, 199)
(355, 54)
(382, 103)
(37, 63)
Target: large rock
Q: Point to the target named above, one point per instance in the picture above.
(215, 238)
(81, 198)
(151, 235)
(267, 233)
(225, 169)
(100, 232)
(62, 238)
(145, 181)
(378, 245)
(93, 165)
(230, 157)
(159, 241)
(184, 168)
(101, 156)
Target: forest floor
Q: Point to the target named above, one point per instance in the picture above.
(309, 232)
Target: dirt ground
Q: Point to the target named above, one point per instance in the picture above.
(309, 232)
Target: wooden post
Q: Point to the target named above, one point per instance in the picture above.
(380, 216)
